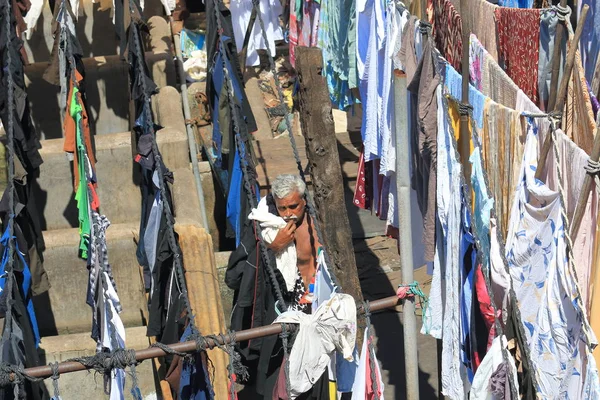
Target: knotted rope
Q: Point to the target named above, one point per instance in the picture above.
(465, 109)
(593, 168)
(55, 376)
(563, 13)
(411, 291)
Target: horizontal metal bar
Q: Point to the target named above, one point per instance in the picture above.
(190, 347)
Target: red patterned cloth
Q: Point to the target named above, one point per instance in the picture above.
(447, 31)
(362, 191)
(519, 46)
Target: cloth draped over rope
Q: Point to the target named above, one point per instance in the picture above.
(67, 71)
(21, 245)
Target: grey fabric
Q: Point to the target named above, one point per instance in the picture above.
(499, 383)
(152, 228)
(548, 22)
(423, 130)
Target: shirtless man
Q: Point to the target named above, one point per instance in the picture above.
(288, 193)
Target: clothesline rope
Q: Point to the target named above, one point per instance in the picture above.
(167, 212)
(239, 142)
(287, 118)
(9, 269)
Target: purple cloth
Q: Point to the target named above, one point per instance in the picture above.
(594, 100)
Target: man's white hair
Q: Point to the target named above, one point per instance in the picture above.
(285, 184)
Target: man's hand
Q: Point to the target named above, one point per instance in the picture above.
(284, 237)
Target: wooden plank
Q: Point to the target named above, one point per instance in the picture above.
(326, 173)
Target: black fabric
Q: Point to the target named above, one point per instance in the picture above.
(517, 343)
(231, 53)
(28, 233)
(254, 305)
(21, 351)
(27, 144)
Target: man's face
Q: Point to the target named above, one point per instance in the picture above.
(291, 206)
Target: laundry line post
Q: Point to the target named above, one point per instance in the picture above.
(562, 90)
(558, 38)
(318, 128)
(464, 138)
(411, 356)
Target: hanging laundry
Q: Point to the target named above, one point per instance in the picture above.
(572, 168)
(335, 38)
(222, 52)
(363, 385)
(578, 120)
(548, 23)
(255, 303)
(447, 31)
(590, 38)
(492, 81)
(194, 383)
(552, 312)
(518, 47)
(303, 25)
(334, 324)
(479, 17)
(422, 84)
(443, 320)
(370, 16)
(485, 386)
(270, 10)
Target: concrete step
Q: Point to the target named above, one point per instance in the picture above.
(86, 385)
(107, 92)
(118, 177)
(63, 310)
(94, 28)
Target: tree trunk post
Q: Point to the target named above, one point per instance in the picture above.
(318, 129)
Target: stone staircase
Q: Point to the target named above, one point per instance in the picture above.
(63, 316)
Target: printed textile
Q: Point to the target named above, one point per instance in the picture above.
(519, 46)
(552, 312)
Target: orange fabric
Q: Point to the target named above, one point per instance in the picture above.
(70, 131)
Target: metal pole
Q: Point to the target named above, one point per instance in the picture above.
(190, 347)
(411, 356)
(188, 124)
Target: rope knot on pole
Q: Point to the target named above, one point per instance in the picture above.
(465, 109)
(563, 13)
(55, 376)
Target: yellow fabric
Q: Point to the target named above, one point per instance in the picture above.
(455, 119)
(332, 390)
(594, 290)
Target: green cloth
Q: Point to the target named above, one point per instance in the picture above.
(82, 195)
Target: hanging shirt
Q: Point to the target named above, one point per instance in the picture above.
(363, 385)
(552, 312)
(444, 313)
(194, 382)
(269, 12)
(334, 325)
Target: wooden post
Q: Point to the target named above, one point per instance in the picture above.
(585, 188)
(318, 129)
(464, 138)
(562, 90)
(560, 29)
